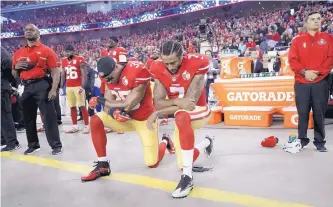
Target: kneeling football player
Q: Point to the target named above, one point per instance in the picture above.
(181, 78)
(127, 104)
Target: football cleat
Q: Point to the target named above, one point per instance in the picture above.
(102, 168)
(210, 148)
(170, 147)
(184, 187)
(72, 130)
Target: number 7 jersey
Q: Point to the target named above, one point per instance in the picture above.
(177, 84)
(134, 74)
(73, 71)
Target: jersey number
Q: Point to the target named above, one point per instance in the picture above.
(71, 73)
(178, 90)
(121, 96)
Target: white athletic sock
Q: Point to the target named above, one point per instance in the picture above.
(187, 156)
(75, 126)
(166, 142)
(202, 145)
(102, 159)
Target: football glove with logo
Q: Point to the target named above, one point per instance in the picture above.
(93, 102)
(119, 114)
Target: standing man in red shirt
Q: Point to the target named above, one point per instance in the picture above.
(311, 58)
(31, 63)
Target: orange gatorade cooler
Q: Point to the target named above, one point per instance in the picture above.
(290, 118)
(216, 115)
(251, 116)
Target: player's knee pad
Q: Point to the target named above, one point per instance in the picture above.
(186, 134)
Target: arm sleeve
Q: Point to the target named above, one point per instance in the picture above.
(204, 66)
(52, 60)
(293, 58)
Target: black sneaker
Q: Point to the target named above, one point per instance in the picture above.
(31, 150)
(57, 151)
(10, 148)
(209, 149)
(102, 168)
(304, 143)
(184, 187)
(321, 148)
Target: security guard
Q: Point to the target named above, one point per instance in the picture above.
(8, 132)
(311, 58)
(37, 90)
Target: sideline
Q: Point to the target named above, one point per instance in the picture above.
(159, 184)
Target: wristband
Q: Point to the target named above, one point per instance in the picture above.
(101, 100)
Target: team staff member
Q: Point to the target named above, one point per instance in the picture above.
(311, 58)
(36, 90)
(8, 132)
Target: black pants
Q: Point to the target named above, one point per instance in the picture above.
(18, 115)
(209, 81)
(313, 96)
(8, 131)
(57, 107)
(36, 95)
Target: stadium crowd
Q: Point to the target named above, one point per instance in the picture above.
(76, 18)
(264, 30)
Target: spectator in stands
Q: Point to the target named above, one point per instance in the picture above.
(256, 65)
(250, 43)
(330, 28)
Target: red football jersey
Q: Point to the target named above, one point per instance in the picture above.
(73, 71)
(134, 74)
(149, 62)
(177, 84)
(118, 53)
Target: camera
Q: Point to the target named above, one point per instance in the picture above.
(205, 33)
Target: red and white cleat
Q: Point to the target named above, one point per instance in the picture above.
(86, 130)
(102, 169)
(72, 130)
